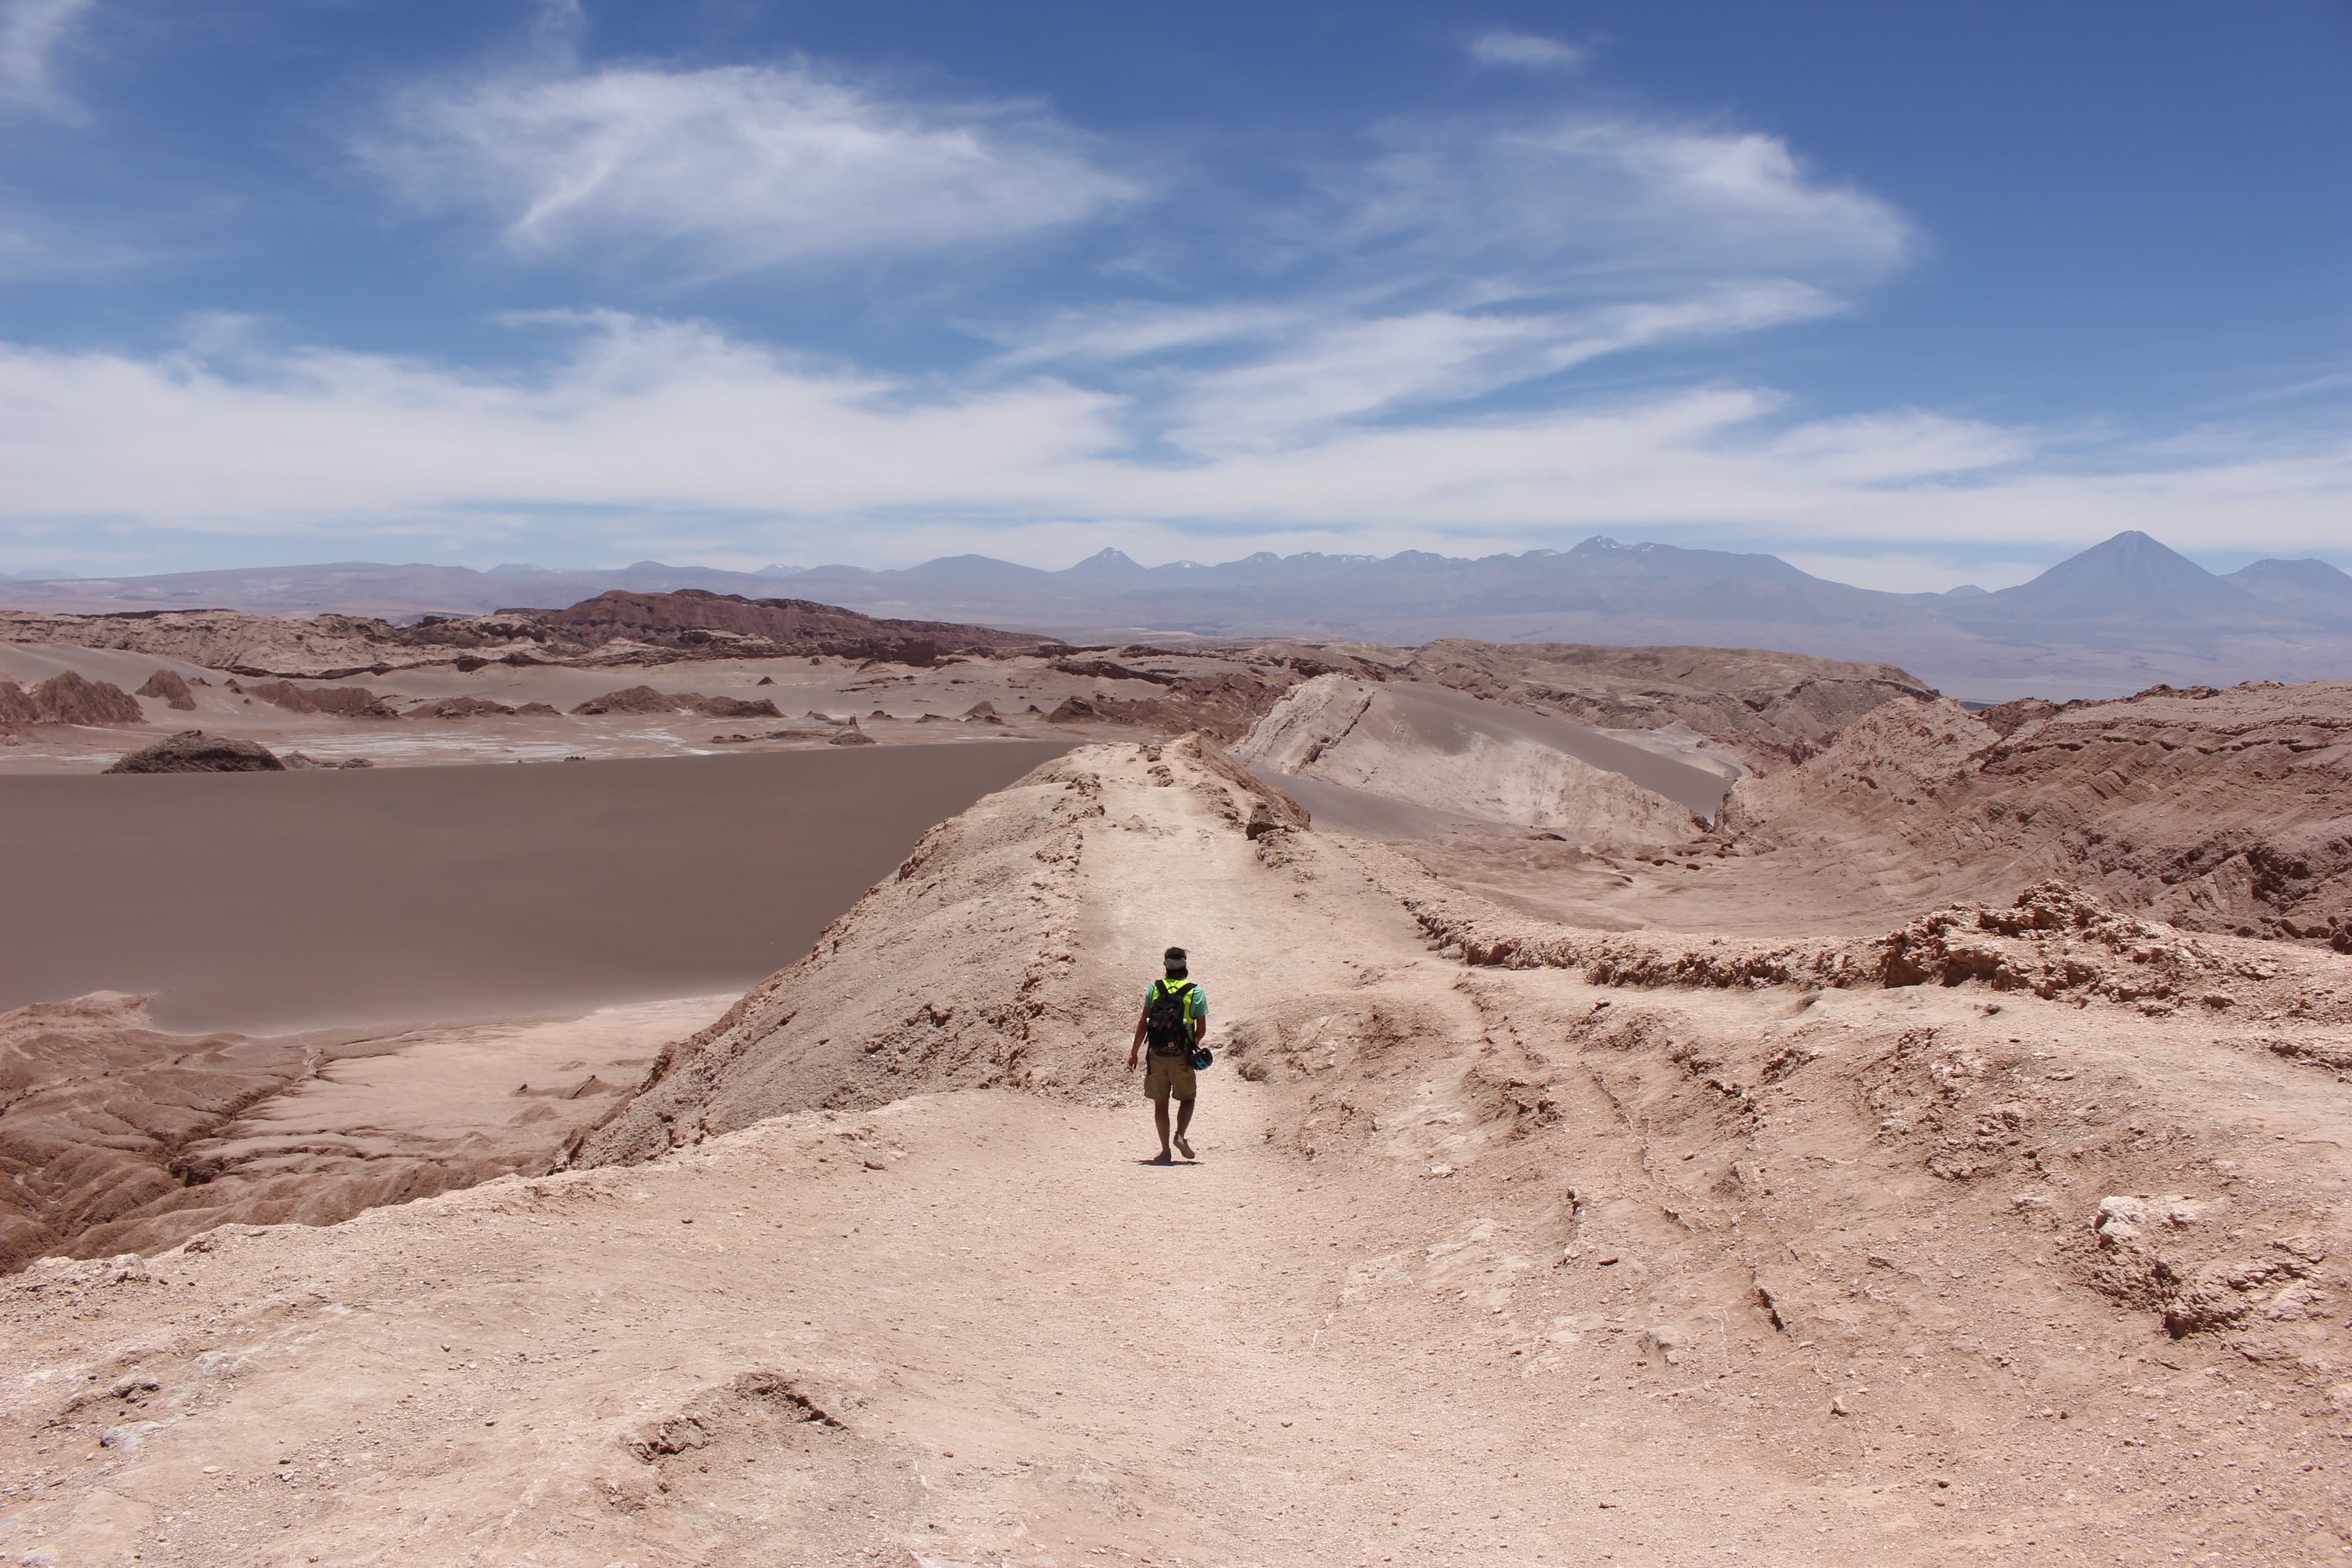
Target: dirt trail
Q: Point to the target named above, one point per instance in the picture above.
(1479, 1265)
(1035, 1354)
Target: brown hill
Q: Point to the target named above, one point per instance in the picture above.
(341, 701)
(67, 699)
(169, 688)
(696, 621)
(1771, 706)
(194, 751)
(646, 700)
(2218, 811)
(614, 627)
(327, 645)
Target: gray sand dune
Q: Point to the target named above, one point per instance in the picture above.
(1448, 718)
(285, 901)
(1440, 759)
(1340, 808)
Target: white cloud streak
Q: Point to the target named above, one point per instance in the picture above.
(676, 421)
(1353, 368)
(1596, 202)
(1388, 361)
(727, 170)
(30, 34)
(1473, 256)
(1508, 47)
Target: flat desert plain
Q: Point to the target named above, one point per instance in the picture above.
(295, 899)
(1670, 1108)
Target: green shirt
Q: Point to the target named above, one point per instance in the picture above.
(1196, 1001)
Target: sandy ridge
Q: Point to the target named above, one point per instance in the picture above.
(1484, 1265)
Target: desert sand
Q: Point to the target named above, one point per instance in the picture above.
(1692, 1110)
(305, 900)
(511, 689)
(120, 1137)
(1483, 1261)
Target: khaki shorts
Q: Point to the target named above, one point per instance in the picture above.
(1168, 1076)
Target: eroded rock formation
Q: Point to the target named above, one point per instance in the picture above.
(194, 751)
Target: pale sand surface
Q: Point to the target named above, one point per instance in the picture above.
(277, 902)
(1514, 1241)
(1445, 719)
(1401, 760)
(444, 1085)
(1480, 1265)
(117, 1136)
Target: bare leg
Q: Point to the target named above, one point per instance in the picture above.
(1160, 1119)
(1183, 1120)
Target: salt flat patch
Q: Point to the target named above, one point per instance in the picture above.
(272, 901)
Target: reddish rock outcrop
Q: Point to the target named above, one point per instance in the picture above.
(724, 624)
(2054, 940)
(2216, 811)
(167, 688)
(629, 700)
(648, 699)
(1222, 706)
(67, 699)
(194, 751)
(460, 707)
(731, 707)
(341, 701)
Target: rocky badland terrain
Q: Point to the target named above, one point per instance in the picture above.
(616, 627)
(1669, 1106)
(2122, 613)
(68, 681)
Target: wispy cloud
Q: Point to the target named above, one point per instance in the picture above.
(732, 168)
(1508, 46)
(675, 421)
(1389, 349)
(1351, 368)
(1463, 259)
(1581, 201)
(30, 34)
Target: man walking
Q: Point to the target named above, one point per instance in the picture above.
(1175, 1017)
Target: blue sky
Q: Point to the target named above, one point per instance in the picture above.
(1910, 295)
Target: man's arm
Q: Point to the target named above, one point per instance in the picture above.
(1135, 1051)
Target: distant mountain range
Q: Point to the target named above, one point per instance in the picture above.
(2121, 616)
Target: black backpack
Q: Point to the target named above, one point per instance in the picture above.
(1166, 1023)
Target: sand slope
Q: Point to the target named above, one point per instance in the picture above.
(1450, 754)
(1483, 1263)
